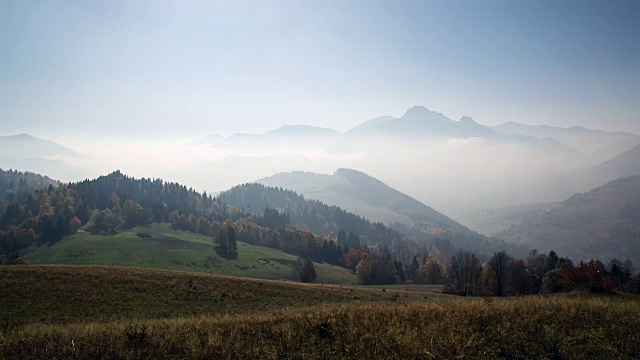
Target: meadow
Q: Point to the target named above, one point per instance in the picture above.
(87, 312)
(178, 250)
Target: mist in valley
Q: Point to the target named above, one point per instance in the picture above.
(476, 123)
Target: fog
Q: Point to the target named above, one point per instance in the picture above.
(457, 167)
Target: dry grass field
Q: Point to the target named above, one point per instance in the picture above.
(113, 312)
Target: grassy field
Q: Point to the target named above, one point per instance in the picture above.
(67, 294)
(116, 312)
(178, 250)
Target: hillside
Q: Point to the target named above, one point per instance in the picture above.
(310, 214)
(425, 224)
(178, 250)
(602, 223)
(18, 185)
(622, 165)
(362, 194)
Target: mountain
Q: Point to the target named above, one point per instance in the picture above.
(285, 138)
(58, 169)
(27, 153)
(24, 146)
(362, 194)
(417, 122)
(623, 165)
(421, 123)
(455, 166)
(600, 145)
(446, 147)
(309, 214)
(561, 185)
(603, 223)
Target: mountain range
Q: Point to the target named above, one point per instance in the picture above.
(301, 138)
(601, 145)
(25, 146)
(28, 153)
(459, 167)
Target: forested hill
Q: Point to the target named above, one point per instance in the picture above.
(251, 213)
(319, 217)
(109, 204)
(362, 194)
(310, 214)
(116, 202)
(17, 185)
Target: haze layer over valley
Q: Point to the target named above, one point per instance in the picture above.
(458, 167)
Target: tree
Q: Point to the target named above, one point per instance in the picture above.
(364, 270)
(226, 239)
(433, 273)
(105, 222)
(307, 271)
(551, 261)
(133, 214)
(463, 274)
(342, 238)
(204, 226)
(74, 224)
(498, 266)
(353, 240)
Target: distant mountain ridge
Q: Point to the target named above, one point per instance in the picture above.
(424, 126)
(284, 138)
(598, 143)
(208, 140)
(420, 121)
(27, 153)
(24, 146)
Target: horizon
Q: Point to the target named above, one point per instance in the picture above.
(223, 68)
(184, 140)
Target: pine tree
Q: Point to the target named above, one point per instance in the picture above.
(307, 271)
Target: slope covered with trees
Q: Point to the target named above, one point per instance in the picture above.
(603, 223)
(438, 231)
(17, 185)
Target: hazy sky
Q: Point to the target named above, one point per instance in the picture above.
(191, 68)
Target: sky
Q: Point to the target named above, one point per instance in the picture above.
(165, 69)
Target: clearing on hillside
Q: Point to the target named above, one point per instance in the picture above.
(178, 250)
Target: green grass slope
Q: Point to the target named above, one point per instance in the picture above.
(178, 250)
